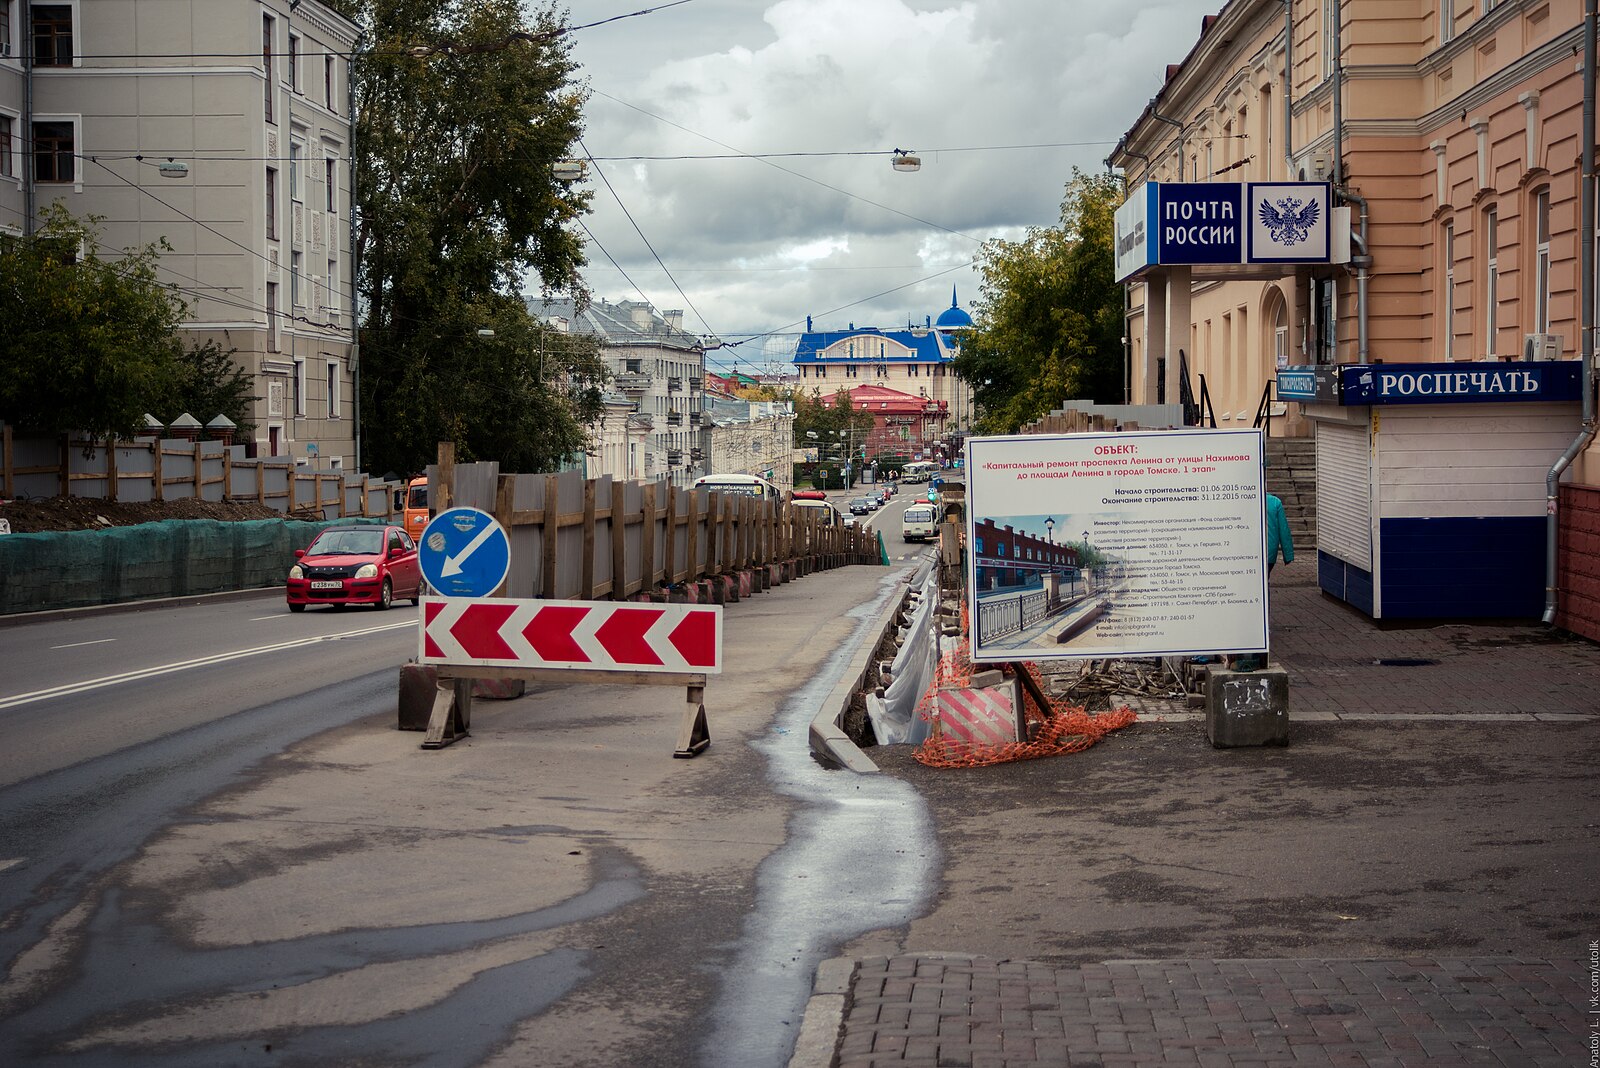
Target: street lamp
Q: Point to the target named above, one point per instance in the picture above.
(1050, 530)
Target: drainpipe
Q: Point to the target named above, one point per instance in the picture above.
(1154, 114)
(27, 117)
(1288, 88)
(1338, 95)
(1361, 261)
(1586, 325)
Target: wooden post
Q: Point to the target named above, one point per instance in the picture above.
(157, 455)
(227, 473)
(7, 464)
(65, 478)
(670, 575)
(552, 523)
(111, 467)
(692, 536)
(588, 538)
(447, 476)
(647, 539)
(504, 491)
(619, 543)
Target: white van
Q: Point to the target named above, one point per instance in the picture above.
(919, 522)
(830, 514)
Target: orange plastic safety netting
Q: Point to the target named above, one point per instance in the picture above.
(1062, 728)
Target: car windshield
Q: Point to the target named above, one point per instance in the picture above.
(348, 542)
(419, 497)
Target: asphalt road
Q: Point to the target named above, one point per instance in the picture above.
(243, 862)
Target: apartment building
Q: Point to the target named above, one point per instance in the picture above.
(223, 127)
(1450, 136)
(658, 367)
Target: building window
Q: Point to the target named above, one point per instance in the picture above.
(272, 317)
(1447, 21)
(1491, 278)
(299, 387)
(1541, 261)
(52, 35)
(327, 84)
(333, 390)
(295, 296)
(332, 303)
(294, 171)
(7, 169)
(5, 27)
(268, 27)
(294, 63)
(330, 184)
(272, 204)
(1328, 9)
(1447, 245)
(53, 158)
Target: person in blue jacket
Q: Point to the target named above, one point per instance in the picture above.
(1278, 537)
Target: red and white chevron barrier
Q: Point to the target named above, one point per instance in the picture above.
(589, 635)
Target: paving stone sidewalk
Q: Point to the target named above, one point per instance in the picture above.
(943, 1009)
(935, 1010)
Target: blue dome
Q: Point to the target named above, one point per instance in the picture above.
(953, 317)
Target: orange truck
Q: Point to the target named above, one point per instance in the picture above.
(413, 503)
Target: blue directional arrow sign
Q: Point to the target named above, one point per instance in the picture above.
(464, 552)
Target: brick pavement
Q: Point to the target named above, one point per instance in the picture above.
(935, 1010)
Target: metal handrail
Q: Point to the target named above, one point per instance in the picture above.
(1207, 414)
(1264, 409)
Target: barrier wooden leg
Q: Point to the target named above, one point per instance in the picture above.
(694, 735)
(451, 715)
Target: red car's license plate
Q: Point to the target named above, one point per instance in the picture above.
(323, 584)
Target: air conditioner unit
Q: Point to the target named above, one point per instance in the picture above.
(5, 49)
(1541, 347)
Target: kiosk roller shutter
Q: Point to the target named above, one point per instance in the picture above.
(1344, 493)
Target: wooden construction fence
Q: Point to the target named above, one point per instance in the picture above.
(588, 539)
(179, 468)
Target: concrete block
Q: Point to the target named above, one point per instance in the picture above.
(1247, 707)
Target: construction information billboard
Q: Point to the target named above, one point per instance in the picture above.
(1131, 544)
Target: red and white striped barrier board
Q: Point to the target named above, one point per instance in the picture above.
(591, 635)
(985, 716)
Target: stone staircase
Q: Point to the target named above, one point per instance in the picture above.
(1292, 478)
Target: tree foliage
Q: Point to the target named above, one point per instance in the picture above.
(91, 341)
(1049, 322)
(832, 423)
(463, 109)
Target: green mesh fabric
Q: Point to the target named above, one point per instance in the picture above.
(172, 558)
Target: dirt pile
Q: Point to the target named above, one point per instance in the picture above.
(40, 514)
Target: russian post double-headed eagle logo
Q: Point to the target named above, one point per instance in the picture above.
(1289, 220)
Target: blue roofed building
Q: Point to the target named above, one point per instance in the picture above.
(916, 360)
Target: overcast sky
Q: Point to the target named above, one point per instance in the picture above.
(756, 245)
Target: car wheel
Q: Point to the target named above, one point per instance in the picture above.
(386, 595)
(297, 608)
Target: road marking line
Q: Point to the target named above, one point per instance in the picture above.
(184, 665)
(79, 645)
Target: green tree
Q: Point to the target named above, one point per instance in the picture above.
(1049, 321)
(90, 343)
(208, 383)
(463, 110)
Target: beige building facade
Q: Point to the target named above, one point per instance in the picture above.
(222, 127)
(1452, 131)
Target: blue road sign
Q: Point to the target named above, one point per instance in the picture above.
(464, 552)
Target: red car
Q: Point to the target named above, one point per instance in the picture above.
(366, 564)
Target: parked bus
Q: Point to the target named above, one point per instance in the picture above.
(918, 471)
(744, 485)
